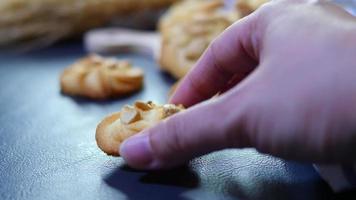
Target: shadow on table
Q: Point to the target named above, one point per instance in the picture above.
(305, 185)
(230, 174)
(170, 184)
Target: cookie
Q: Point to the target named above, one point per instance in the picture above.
(96, 77)
(116, 128)
(187, 30)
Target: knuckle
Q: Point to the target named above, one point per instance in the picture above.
(256, 116)
(197, 85)
(167, 138)
(176, 130)
(217, 61)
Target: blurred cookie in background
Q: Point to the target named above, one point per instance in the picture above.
(101, 78)
(187, 30)
(189, 27)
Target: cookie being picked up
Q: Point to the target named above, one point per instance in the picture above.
(96, 77)
(116, 128)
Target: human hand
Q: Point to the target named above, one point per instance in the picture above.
(292, 65)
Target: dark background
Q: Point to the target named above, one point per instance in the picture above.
(48, 148)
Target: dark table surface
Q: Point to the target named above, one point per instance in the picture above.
(48, 149)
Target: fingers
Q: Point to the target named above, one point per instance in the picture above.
(272, 109)
(176, 140)
(233, 53)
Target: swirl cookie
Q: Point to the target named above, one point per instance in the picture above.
(116, 128)
(187, 30)
(96, 77)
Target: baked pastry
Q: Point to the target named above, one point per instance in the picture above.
(96, 77)
(248, 6)
(187, 30)
(41, 22)
(116, 128)
(189, 27)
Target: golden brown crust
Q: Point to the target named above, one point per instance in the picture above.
(102, 135)
(38, 21)
(248, 6)
(190, 26)
(116, 128)
(187, 31)
(96, 77)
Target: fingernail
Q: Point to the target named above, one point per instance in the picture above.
(137, 151)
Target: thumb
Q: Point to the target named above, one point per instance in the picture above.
(203, 128)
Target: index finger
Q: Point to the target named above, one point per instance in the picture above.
(232, 54)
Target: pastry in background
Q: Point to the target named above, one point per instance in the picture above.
(96, 77)
(116, 128)
(187, 30)
(34, 23)
(189, 27)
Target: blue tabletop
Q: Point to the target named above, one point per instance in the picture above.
(48, 148)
